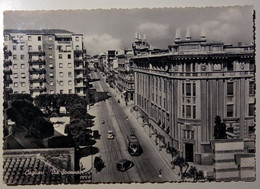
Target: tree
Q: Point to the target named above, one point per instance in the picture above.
(195, 174)
(26, 115)
(219, 129)
(78, 130)
(60, 142)
(181, 163)
(25, 97)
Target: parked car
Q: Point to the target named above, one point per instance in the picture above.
(124, 165)
(96, 134)
(99, 164)
(110, 134)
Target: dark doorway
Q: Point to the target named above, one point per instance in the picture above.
(189, 152)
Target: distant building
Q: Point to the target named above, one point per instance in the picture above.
(125, 81)
(44, 61)
(180, 93)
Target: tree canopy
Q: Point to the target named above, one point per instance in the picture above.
(26, 115)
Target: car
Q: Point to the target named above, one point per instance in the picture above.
(96, 134)
(110, 134)
(124, 165)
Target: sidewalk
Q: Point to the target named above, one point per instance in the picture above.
(164, 154)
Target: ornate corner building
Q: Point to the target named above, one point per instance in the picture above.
(44, 61)
(180, 92)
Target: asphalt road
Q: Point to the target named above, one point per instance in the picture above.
(146, 166)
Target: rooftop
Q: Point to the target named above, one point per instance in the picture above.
(44, 31)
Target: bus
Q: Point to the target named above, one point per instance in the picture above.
(134, 148)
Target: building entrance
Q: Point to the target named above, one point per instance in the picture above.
(189, 152)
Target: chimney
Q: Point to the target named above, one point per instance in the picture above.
(188, 37)
(202, 35)
(144, 38)
(136, 35)
(178, 34)
(139, 36)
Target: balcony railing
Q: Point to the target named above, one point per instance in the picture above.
(8, 71)
(78, 51)
(38, 88)
(79, 68)
(8, 63)
(78, 60)
(38, 61)
(37, 70)
(39, 52)
(7, 53)
(37, 79)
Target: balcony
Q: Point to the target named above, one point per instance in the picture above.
(80, 85)
(8, 80)
(37, 70)
(9, 90)
(38, 88)
(78, 51)
(8, 71)
(40, 52)
(37, 79)
(78, 60)
(39, 61)
(80, 68)
(7, 53)
(8, 63)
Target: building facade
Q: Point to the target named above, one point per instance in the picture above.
(180, 93)
(44, 61)
(125, 81)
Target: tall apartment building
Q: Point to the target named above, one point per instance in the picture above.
(125, 82)
(180, 93)
(44, 61)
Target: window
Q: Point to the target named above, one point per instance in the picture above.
(52, 92)
(69, 74)
(22, 66)
(29, 38)
(69, 65)
(21, 47)
(70, 82)
(51, 83)
(39, 38)
(217, 67)
(61, 74)
(183, 111)
(50, 47)
(77, 47)
(6, 37)
(23, 75)
(14, 47)
(60, 56)
(188, 111)
(61, 83)
(230, 89)
(51, 65)
(70, 91)
(194, 112)
(182, 89)
(77, 38)
(252, 65)
(251, 88)
(251, 110)
(230, 110)
(30, 47)
(39, 47)
(194, 89)
(230, 66)
(69, 56)
(188, 89)
(50, 38)
(23, 84)
(60, 65)
(15, 84)
(22, 57)
(15, 75)
(50, 56)
(15, 57)
(51, 74)
(15, 66)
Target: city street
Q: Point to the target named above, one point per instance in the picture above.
(146, 166)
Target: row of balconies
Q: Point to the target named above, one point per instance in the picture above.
(38, 88)
(38, 61)
(8, 71)
(37, 79)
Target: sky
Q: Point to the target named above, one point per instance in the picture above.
(115, 28)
